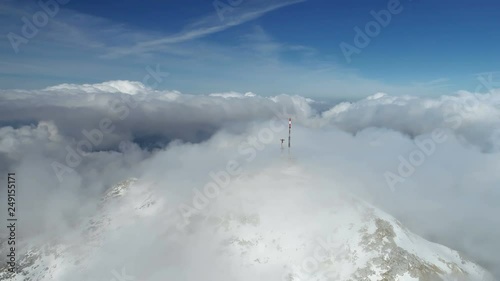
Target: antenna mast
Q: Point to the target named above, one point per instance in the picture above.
(289, 131)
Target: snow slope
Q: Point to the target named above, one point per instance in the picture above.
(265, 226)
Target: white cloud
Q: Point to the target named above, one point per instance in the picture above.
(120, 86)
(233, 95)
(451, 198)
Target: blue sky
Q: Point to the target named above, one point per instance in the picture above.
(266, 47)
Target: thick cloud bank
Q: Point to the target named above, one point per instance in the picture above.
(432, 163)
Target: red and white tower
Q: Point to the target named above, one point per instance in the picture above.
(289, 131)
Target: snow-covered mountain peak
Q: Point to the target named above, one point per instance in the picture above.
(262, 227)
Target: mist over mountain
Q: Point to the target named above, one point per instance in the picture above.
(69, 144)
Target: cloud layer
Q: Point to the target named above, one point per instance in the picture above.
(176, 139)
